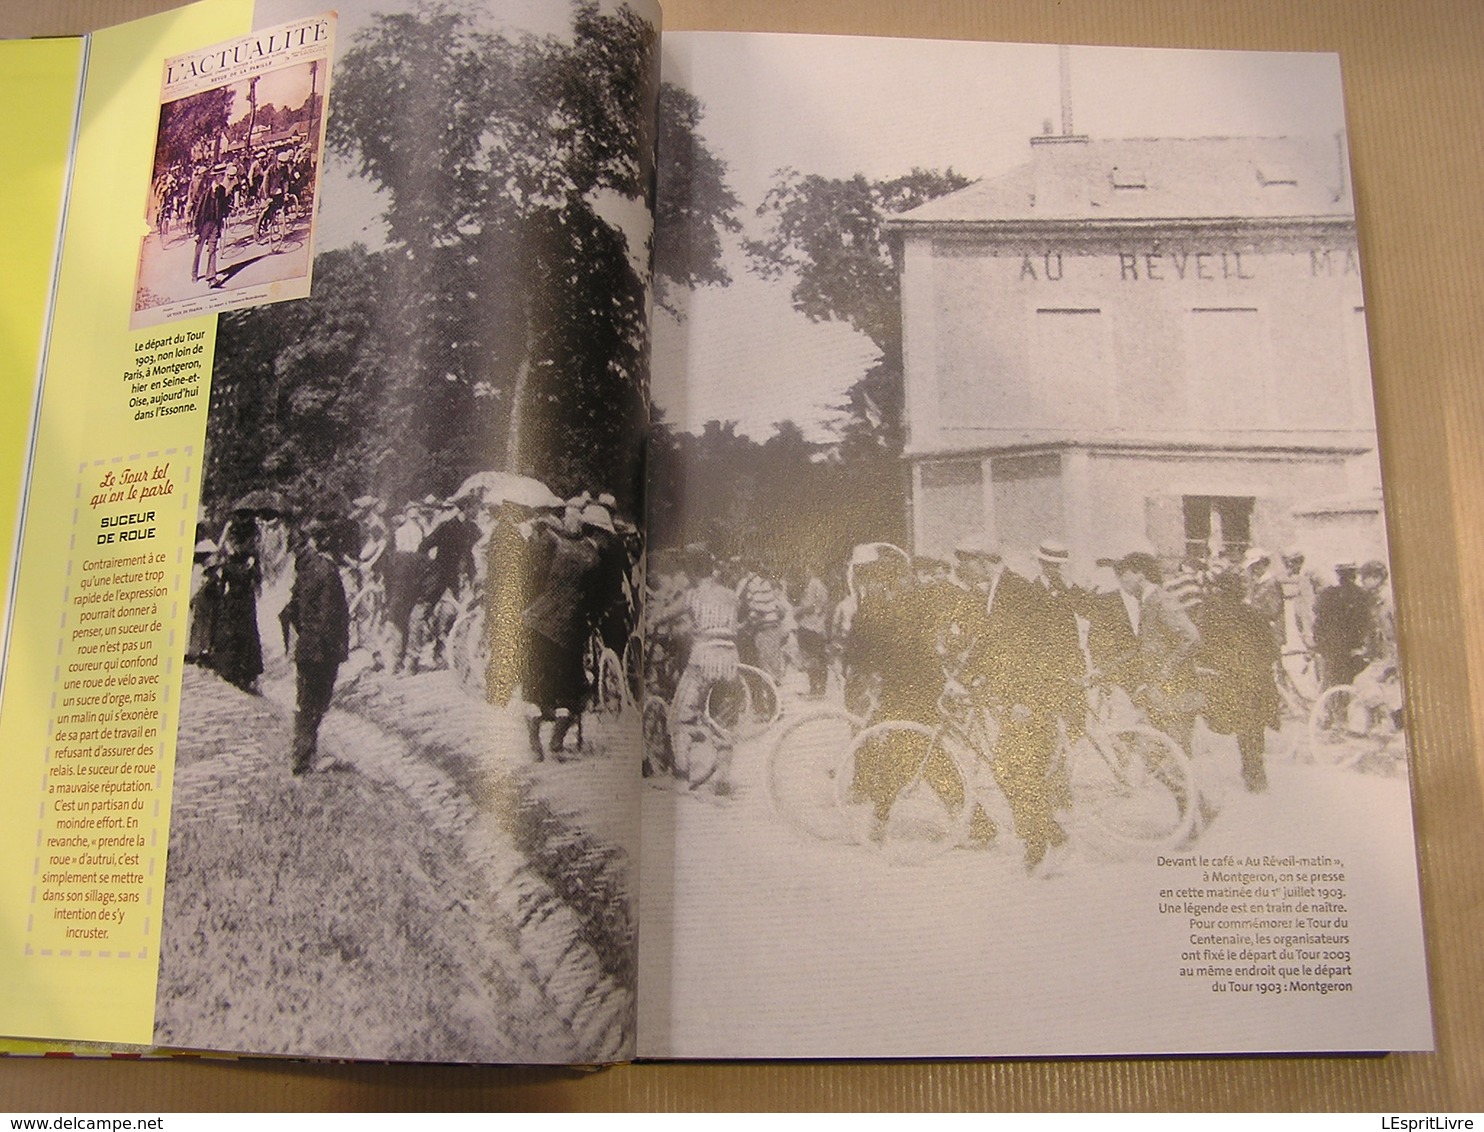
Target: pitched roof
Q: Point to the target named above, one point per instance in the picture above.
(1078, 178)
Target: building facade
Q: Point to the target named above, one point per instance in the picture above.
(1143, 344)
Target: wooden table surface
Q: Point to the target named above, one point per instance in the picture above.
(1414, 78)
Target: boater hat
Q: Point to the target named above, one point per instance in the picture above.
(1140, 562)
(1256, 555)
(1050, 551)
(596, 515)
(978, 545)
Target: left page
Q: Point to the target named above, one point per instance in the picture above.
(43, 76)
(315, 700)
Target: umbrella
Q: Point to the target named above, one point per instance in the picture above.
(507, 487)
(262, 501)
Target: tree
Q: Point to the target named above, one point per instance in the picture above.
(497, 156)
(826, 235)
(187, 123)
(296, 392)
(694, 207)
(507, 313)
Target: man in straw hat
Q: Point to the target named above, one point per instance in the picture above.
(1007, 625)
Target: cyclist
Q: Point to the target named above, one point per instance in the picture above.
(766, 619)
(1160, 669)
(811, 601)
(449, 551)
(1062, 658)
(277, 182)
(1265, 592)
(557, 625)
(711, 606)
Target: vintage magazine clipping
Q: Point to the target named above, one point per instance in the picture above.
(237, 160)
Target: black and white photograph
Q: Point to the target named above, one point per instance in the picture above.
(231, 206)
(405, 817)
(1017, 553)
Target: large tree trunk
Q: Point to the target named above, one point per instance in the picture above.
(520, 395)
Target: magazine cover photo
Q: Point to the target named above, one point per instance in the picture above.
(231, 208)
(1022, 674)
(404, 819)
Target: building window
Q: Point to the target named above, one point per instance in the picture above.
(1218, 526)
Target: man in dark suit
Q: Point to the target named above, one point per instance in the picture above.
(318, 611)
(1006, 620)
(1342, 620)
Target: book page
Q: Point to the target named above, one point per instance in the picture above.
(1021, 649)
(35, 146)
(336, 754)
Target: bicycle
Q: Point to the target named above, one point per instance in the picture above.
(802, 767)
(275, 230)
(913, 792)
(744, 706)
(367, 613)
(804, 758)
(916, 791)
(1140, 789)
(1298, 681)
(1352, 723)
(467, 649)
(605, 678)
(633, 669)
(736, 708)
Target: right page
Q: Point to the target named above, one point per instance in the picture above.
(1022, 672)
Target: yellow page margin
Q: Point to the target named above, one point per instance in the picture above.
(86, 424)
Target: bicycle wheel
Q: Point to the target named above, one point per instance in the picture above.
(366, 613)
(801, 769)
(468, 651)
(1298, 682)
(745, 706)
(608, 684)
(1344, 728)
(903, 793)
(1137, 786)
(633, 669)
(658, 757)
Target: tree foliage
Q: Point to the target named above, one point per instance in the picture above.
(789, 501)
(695, 208)
(827, 235)
(788, 497)
(187, 122)
(504, 323)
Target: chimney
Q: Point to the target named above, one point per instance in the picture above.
(1064, 68)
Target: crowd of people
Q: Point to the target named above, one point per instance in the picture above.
(201, 196)
(1213, 639)
(227, 582)
(547, 578)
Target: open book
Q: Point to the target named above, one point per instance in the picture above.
(899, 573)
